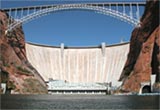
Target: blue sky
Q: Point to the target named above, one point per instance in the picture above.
(73, 28)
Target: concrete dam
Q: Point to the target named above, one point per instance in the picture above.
(101, 64)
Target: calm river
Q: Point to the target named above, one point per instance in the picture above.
(74, 102)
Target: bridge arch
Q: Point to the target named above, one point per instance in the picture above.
(103, 10)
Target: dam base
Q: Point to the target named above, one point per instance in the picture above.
(64, 87)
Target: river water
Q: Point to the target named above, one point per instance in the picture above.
(77, 102)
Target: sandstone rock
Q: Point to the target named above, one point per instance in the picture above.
(14, 64)
(143, 58)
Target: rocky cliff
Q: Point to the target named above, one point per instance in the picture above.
(16, 71)
(143, 58)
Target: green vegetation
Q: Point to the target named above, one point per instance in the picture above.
(1, 91)
(127, 71)
(23, 69)
(2, 60)
(11, 85)
(4, 77)
(6, 64)
(33, 86)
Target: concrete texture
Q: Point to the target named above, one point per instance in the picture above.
(96, 64)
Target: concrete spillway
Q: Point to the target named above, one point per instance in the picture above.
(94, 64)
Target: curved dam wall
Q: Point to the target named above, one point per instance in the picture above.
(96, 64)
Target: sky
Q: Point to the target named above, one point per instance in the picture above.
(73, 28)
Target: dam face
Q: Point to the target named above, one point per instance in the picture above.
(87, 65)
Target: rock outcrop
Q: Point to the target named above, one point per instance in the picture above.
(16, 71)
(143, 58)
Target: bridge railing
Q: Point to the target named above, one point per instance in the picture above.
(125, 11)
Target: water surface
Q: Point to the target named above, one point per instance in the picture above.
(53, 102)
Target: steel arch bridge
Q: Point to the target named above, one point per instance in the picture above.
(124, 11)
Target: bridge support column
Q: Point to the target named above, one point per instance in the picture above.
(15, 14)
(109, 6)
(124, 10)
(28, 11)
(131, 11)
(137, 13)
(21, 13)
(117, 8)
